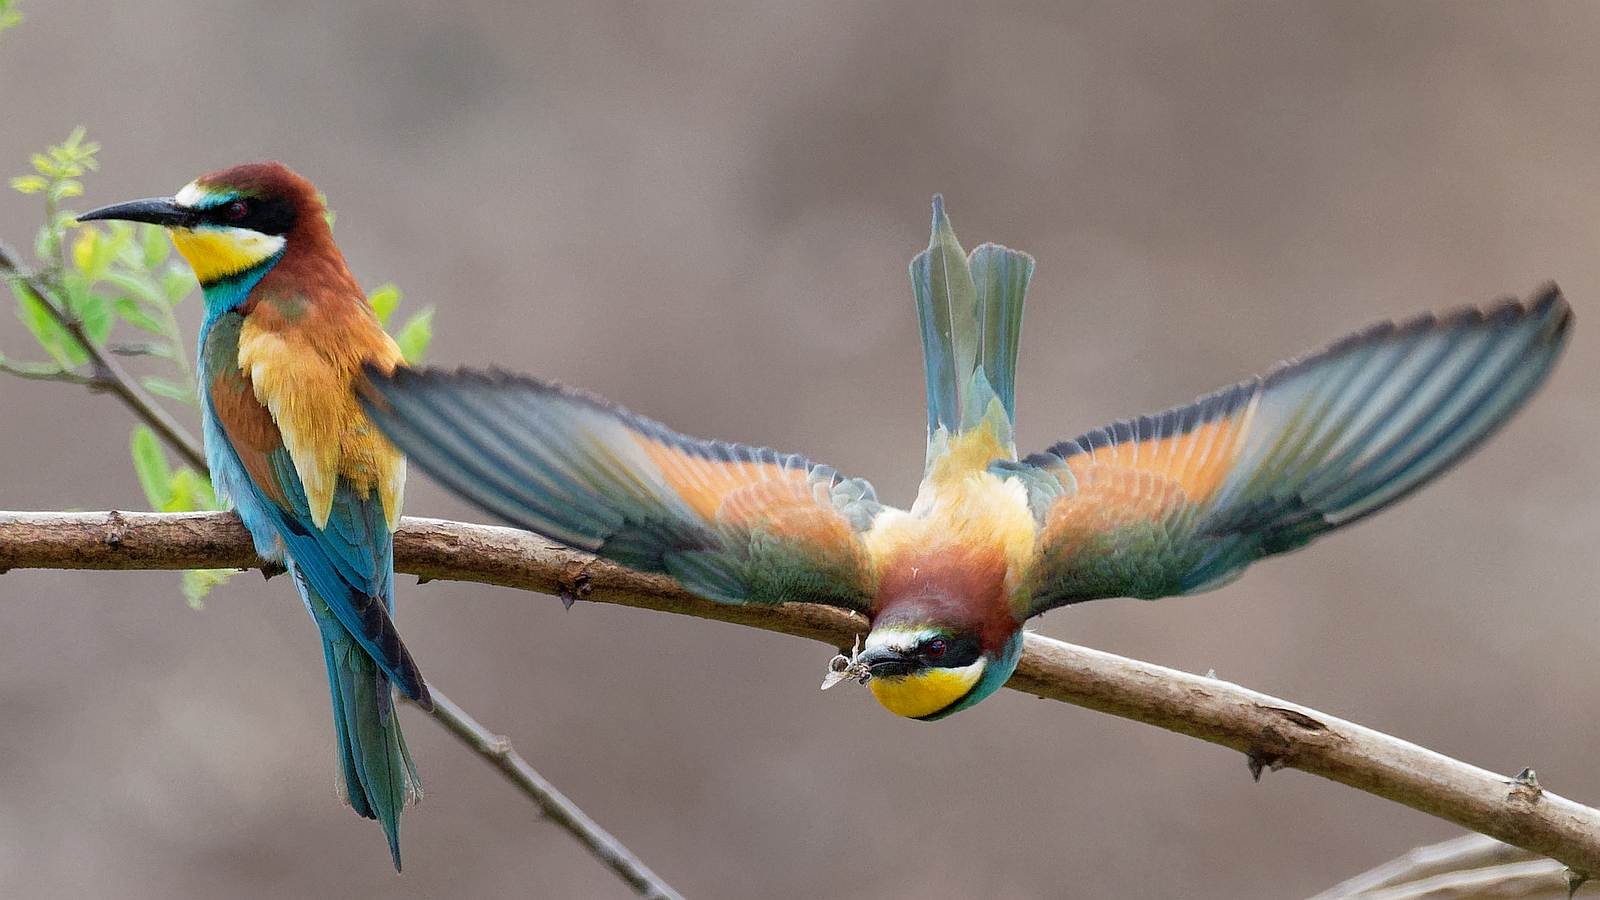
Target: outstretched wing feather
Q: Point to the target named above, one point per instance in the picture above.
(733, 523)
(1183, 501)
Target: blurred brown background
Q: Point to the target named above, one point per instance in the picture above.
(705, 211)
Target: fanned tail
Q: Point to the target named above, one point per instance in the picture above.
(970, 309)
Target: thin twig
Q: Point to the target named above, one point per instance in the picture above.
(1471, 867)
(65, 376)
(1470, 851)
(1272, 733)
(497, 750)
(108, 374)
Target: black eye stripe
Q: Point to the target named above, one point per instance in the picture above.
(270, 215)
(950, 652)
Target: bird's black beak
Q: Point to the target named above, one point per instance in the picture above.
(888, 662)
(163, 211)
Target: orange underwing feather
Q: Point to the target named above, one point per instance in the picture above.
(1196, 462)
(705, 484)
(1136, 482)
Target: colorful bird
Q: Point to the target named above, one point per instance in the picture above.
(1174, 503)
(286, 331)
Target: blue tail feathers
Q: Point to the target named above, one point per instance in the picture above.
(376, 775)
(970, 310)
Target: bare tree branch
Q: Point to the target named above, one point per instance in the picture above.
(211, 540)
(1272, 733)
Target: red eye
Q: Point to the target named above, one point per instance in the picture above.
(935, 648)
(236, 210)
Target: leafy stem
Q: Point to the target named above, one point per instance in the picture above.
(105, 373)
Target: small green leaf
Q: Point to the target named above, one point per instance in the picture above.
(178, 283)
(42, 164)
(164, 388)
(125, 245)
(384, 300)
(50, 335)
(95, 313)
(93, 252)
(415, 337)
(30, 184)
(192, 491)
(197, 583)
(327, 214)
(134, 314)
(83, 250)
(150, 462)
(137, 285)
(157, 246)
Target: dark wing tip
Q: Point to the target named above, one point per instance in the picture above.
(1548, 302)
(1546, 305)
(423, 698)
(405, 379)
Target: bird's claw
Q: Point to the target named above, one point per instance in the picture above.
(845, 668)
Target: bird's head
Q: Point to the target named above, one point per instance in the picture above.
(232, 225)
(929, 669)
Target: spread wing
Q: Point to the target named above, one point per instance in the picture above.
(1183, 501)
(731, 523)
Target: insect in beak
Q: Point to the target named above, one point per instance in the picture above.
(844, 668)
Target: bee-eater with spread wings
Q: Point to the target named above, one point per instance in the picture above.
(286, 332)
(1174, 503)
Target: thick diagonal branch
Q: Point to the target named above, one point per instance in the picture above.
(1270, 732)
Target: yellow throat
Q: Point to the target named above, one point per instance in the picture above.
(926, 692)
(216, 253)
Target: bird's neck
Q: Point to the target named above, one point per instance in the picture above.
(961, 550)
(231, 293)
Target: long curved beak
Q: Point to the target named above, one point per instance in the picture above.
(163, 211)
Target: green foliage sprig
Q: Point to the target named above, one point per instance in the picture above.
(9, 15)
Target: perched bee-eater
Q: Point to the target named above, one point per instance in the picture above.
(1174, 503)
(286, 332)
